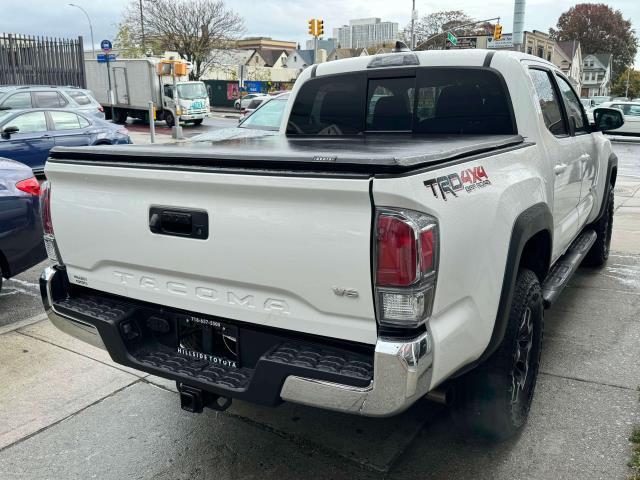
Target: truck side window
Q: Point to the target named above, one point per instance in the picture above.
(168, 91)
(573, 104)
(548, 102)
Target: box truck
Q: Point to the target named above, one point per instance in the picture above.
(136, 81)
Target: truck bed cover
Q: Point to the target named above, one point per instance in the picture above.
(370, 154)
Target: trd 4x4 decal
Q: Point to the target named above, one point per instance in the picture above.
(468, 180)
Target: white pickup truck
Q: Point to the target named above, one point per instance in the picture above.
(402, 239)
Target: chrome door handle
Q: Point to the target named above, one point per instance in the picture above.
(558, 169)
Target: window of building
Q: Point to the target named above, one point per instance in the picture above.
(530, 50)
(575, 111)
(541, 52)
(551, 112)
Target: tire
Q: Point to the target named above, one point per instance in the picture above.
(197, 122)
(236, 105)
(169, 119)
(0, 281)
(492, 401)
(120, 116)
(599, 253)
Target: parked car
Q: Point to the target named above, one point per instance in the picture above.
(264, 121)
(28, 135)
(377, 253)
(598, 99)
(242, 102)
(631, 113)
(588, 102)
(21, 244)
(21, 97)
(251, 107)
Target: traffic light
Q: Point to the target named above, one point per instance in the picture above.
(497, 32)
(320, 28)
(313, 26)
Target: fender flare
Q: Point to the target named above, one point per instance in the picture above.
(612, 164)
(535, 219)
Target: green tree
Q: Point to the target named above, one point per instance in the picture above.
(600, 29)
(199, 30)
(619, 87)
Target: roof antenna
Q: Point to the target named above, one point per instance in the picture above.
(401, 47)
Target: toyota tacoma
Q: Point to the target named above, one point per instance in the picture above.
(400, 238)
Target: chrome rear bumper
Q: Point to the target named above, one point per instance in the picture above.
(402, 369)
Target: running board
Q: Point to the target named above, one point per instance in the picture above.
(566, 266)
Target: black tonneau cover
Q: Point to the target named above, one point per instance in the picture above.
(391, 153)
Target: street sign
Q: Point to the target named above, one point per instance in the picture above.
(505, 42)
(106, 57)
(106, 45)
(452, 38)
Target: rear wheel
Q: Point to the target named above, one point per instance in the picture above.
(493, 400)
(120, 116)
(599, 253)
(169, 119)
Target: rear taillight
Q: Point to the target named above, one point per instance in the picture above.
(406, 266)
(30, 186)
(47, 225)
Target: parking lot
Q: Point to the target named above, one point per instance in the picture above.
(67, 411)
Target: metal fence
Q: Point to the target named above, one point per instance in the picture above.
(30, 60)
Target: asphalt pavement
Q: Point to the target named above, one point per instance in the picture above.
(67, 411)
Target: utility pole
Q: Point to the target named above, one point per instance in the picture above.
(413, 23)
(626, 90)
(144, 50)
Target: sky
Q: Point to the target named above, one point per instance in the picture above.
(282, 19)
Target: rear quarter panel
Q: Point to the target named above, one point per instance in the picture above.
(475, 228)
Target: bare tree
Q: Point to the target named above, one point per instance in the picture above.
(438, 22)
(199, 30)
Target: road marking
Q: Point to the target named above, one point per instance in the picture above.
(23, 323)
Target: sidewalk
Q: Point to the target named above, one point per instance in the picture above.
(67, 411)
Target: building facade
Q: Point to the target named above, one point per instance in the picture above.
(265, 43)
(568, 56)
(326, 44)
(596, 74)
(365, 32)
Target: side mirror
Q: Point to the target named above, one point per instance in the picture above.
(8, 131)
(606, 119)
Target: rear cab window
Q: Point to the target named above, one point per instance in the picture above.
(429, 100)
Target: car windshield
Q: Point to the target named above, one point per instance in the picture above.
(191, 91)
(267, 117)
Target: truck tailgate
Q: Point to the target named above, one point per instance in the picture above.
(279, 253)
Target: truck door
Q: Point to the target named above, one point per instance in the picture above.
(121, 85)
(565, 153)
(578, 125)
